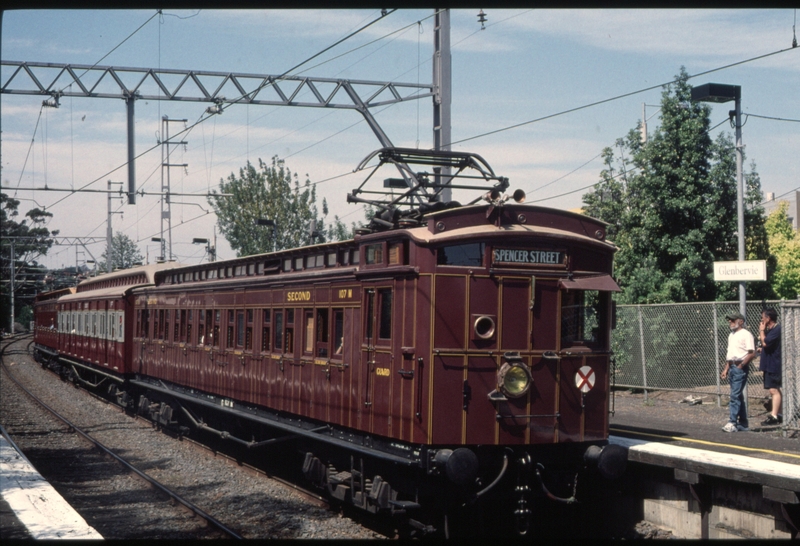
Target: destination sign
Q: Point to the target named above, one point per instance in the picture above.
(523, 256)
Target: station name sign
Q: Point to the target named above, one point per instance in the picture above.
(751, 270)
(524, 256)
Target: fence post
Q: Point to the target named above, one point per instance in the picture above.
(716, 355)
(641, 347)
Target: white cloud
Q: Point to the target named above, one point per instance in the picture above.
(705, 36)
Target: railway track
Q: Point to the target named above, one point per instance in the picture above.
(172, 495)
(284, 517)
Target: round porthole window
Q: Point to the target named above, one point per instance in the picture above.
(484, 327)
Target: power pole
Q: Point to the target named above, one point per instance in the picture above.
(109, 232)
(442, 94)
(166, 212)
(13, 274)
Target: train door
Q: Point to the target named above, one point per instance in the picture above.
(584, 364)
(376, 357)
(315, 350)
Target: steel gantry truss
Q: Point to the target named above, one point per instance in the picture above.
(56, 80)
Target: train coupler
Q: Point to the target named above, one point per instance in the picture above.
(522, 514)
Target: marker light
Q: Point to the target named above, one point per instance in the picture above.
(514, 380)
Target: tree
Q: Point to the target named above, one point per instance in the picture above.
(124, 253)
(31, 239)
(270, 192)
(671, 204)
(784, 242)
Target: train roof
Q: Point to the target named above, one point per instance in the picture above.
(54, 294)
(512, 221)
(489, 223)
(118, 283)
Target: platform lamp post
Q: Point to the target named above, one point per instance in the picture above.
(212, 251)
(719, 92)
(159, 259)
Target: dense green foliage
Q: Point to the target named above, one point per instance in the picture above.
(784, 243)
(124, 254)
(671, 204)
(271, 192)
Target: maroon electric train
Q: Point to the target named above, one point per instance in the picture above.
(447, 356)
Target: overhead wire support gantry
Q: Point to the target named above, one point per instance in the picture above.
(55, 80)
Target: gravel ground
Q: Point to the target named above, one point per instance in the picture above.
(120, 505)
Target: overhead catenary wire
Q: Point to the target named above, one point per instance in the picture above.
(618, 97)
(113, 49)
(621, 173)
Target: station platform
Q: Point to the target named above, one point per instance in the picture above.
(30, 507)
(666, 417)
(690, 476)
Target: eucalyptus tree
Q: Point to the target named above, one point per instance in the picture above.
(271, 192)
(671, 203)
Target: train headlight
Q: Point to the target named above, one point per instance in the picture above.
(514, 379)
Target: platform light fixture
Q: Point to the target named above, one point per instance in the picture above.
(720, 93)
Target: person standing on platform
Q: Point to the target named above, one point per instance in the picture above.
(769, 332)
(741, 350)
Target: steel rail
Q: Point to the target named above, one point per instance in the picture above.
(318, 500)
(153, 482)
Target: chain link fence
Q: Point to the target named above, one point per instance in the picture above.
(682, 347)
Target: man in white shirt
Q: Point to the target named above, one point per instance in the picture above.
(741, 350)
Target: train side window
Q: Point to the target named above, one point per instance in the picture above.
(178, 325)
(165, 335)
(121, 326)
(308, 348)
(215, 335)
(265, 331)
(248, 334)
(229, 337)
(338, 332)
(466, 255)
(183, 326)
(278, 331)
(396, 254)
(289, 349)
(322, 333)
(240, 333)
(201, 327)
(159, 325)
(581, 317)
(385, 325)
(373, 254)
(370, 309)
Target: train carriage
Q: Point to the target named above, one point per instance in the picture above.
(48, 322)
(447, 354)
(91, 328)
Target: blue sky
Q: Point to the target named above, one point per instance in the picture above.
(526, 64)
